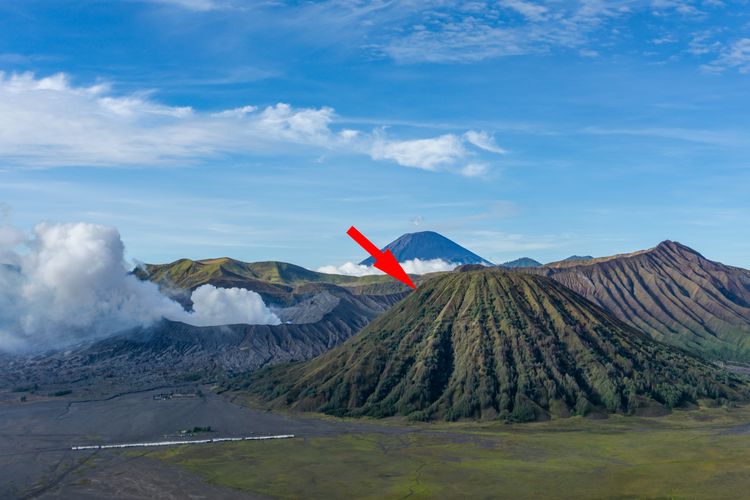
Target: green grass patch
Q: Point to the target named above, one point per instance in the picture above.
(697, 454)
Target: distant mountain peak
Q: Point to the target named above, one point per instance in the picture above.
(579, 257)
(428, 245)
(467, 268)
(665, 248)
(677, 247)
(522, 262)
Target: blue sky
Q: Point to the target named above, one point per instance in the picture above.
(263, 130)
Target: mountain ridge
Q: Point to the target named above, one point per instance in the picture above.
(273, 280)
(671, 292)
(521, 262)
(489, 343)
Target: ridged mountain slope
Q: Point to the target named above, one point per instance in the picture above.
(489, 343)
(672, 293)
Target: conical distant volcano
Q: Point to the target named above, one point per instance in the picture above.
(428, 245)
(490, 343)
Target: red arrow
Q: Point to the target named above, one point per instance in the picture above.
(385, 261)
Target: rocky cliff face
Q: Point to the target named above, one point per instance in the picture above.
(672, 293)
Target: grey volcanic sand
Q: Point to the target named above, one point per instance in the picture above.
(35, 441)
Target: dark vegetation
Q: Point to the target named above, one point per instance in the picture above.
(493, 344)
(197, 430)
(60, 393)
(192, 377)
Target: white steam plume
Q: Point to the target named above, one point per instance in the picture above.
(228, 306)
(68, 283)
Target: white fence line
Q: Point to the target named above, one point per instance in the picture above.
(172, 443)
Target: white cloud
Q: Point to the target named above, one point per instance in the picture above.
(438, 153)
(483, 140)
(734, 56)
(50, 122)
(427, 154)
(468, 40)
(301, 126)
(474, 170)
(530, 10)
(418, 266)
(196, 5)
(350, 269)
(453, 31)
(496, 242)
(460, 32)
(415, 266)
(682, 7)
(662, 40)
(10, 239)
(704, 42)
(70, 284)
(237, 112)
(228, 306)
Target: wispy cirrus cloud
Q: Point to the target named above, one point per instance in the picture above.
(483, 140)
(49, 121)
(194, 5)
(465, 32)
(530, 10)
(500, 246)
(721, 138)
(451, 31)
(735, 55)
(446, 31)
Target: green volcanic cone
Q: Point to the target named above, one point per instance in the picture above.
(489, 343)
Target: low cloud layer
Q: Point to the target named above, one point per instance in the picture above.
(68, 283)
(51, 122)
(416, 266)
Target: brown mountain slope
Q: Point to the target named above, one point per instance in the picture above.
(672, 293)
(168, 351)
(489, 343)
